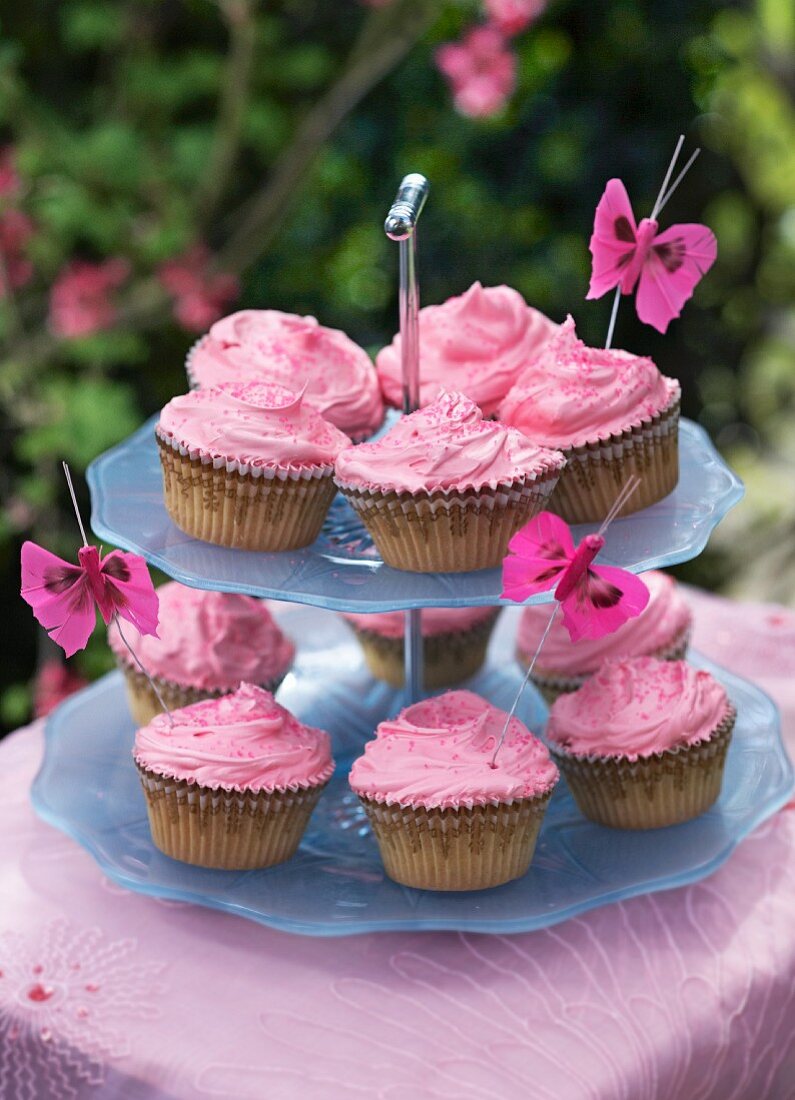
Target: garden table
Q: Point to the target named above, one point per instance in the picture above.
(683, 995)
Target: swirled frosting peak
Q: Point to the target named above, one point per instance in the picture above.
(438, 753)
(209, 640)
(244, 741)
(445, 445)
(252, 424)
(477, 342)
(571, 394)
(664, 620)
(638, 706)
(268, 345)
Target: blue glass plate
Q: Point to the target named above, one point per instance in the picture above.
(342, 570)
(88, 787)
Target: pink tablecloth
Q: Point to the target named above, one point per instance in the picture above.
(686, 995)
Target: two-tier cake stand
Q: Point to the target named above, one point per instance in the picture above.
(335, 885)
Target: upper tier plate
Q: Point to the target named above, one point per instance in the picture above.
(342, 570)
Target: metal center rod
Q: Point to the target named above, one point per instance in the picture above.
(401, 225)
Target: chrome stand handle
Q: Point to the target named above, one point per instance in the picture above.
(401, 226)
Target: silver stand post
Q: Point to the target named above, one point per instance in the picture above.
(401, 225)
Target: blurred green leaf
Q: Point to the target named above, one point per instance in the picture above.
(80, 418)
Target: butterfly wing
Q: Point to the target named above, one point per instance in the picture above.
(677, 260)
(128, 590)
(603, 600)
(539, 553)
(60, 595)
(613, 241)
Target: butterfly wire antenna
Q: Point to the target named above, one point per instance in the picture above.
(665, 191)
(68, 474)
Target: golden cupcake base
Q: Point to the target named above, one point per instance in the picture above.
(666, 788)
(457, 849)
(448, 658)
(241, 511)
(443, 532)
(222, 829)
(595, 473)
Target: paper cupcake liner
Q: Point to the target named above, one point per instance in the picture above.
(653, 791)
(451, 532)
(469, 848)
(225, 829)
(247, 509)
(143, 702)
(448, 658)
(552, 686)
(595, 472)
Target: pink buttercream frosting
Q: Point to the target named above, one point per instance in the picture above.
(266, 345)
(243, 741)
(663, 620)
(209, 640)
(637, 706)
(478, 343)
(434, 620)
(438, 753)
(252, 424)
(572, 394)
(446, 445)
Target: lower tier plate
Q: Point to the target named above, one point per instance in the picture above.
(335, 885)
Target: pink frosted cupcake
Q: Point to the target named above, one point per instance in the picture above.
(444, 490)
(266, 345)
(611, 413)
(444, 818)
(233, 782)
(661, 630)
(455, 640)
(248, 465)
(209, 642)
(477, 343)
(643, 742)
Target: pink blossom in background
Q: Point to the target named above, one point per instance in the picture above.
(481, 71)
(16, 229)
(10, 184)
(513, 16)
(81, 302)
(200, 295)
(54, 682)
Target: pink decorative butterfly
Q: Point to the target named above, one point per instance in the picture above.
(63, 595)
(665, 266)
(596, 600)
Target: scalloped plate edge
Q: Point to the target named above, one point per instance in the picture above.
(776, 800)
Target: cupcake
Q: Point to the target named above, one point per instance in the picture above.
(643, 742)
(611, 413)
(661, 630)
(444, 490)
(477, 343)
(233, 781)
(443, 816)
(248, 466)
(266, 345)
(455, 640)
(209, 642)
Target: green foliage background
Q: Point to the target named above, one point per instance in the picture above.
(143, 126)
